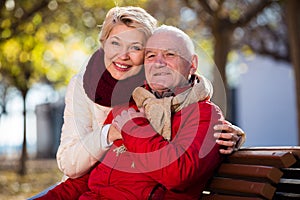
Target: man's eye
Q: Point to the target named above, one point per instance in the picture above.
(150, 56)
(170, 54)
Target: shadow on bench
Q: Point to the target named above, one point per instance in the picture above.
(257, 173)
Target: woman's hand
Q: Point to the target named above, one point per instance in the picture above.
(113, 134)
(125, 116)
(230, 137)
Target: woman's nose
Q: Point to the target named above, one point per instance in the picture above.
(124, 55)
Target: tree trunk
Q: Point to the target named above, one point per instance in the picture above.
(23, 170)
(221, 92)
(293, 22)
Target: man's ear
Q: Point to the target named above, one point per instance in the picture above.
(194, 64)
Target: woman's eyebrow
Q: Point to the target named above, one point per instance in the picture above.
(136, 43)
(131, 42)
(115, 37)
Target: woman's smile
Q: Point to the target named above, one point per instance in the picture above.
(122, 67)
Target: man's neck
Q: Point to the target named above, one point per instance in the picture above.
(162, 94)
(170, 92)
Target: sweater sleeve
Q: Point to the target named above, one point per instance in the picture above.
(80, 144)
(191, 155)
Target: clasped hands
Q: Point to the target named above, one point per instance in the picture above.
(227, 135)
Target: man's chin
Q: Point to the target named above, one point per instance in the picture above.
(159, 87)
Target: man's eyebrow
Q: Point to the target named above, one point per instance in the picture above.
(148, 50)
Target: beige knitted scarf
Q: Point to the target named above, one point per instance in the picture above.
(158, 111)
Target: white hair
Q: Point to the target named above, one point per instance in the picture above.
(188, 41)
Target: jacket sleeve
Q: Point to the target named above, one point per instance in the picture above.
(70, 189)
(80, 144)
(191, 155)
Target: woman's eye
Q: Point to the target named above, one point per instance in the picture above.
(115, 43)
(136, 48)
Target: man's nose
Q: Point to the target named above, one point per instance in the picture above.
(160, 60)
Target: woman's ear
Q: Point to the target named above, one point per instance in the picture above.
(194, 64)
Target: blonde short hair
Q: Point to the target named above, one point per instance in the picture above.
(135, 17)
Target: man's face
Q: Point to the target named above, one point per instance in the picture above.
(167, 61)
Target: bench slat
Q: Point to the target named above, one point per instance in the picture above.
(250, 172)
(228, 197)
(241, 187)
(269, 158)
(294, 149)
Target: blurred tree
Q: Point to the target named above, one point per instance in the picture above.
(40, 41)
(23, 42)
(293, 22)
(3, 95)
(216, 21)
(225, 17)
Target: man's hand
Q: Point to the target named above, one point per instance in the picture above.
(228, 136)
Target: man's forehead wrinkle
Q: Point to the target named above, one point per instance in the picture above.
(161, 49)
(153, 50)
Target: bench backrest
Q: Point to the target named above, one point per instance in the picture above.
(257, 173)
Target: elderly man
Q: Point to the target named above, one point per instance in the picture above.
(167, 150)
(180, 154)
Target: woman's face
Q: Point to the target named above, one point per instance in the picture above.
(124, 51)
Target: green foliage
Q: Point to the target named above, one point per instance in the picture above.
(39, 39)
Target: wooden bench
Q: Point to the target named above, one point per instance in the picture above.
(257, 173)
